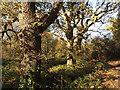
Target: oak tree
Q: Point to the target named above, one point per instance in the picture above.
(80, 16)
(32, 25)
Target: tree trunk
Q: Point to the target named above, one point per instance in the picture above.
(79, 42)
(69, 35)
(29, 39)
(30, 36)
(70, 59)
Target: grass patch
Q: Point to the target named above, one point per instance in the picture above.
(10, 73)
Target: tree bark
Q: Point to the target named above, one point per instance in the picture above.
(79, 42)
(29, 40)
(30, 36)
(69, 35)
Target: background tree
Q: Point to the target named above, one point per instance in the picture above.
(11, 49)
(81, 16)
(115, 27)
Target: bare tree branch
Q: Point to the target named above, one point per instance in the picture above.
(108, 10)
(57, 21)
(100, 5)
(53, 15)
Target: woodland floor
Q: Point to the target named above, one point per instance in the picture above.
(109, 76)
(112, 75)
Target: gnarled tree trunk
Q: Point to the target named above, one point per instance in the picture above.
(30, 36)
(29, 39)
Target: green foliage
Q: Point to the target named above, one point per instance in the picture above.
(115, 27)
(10, 73)
(11, 49)
(91, 80)
(48, 44)
(88, 81)
(100, 48)
(26, 81)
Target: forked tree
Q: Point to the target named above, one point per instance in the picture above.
(31, 28)
(81, 16)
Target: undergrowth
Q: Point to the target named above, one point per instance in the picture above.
(76, 76)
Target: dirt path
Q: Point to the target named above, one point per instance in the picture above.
(112, 75)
